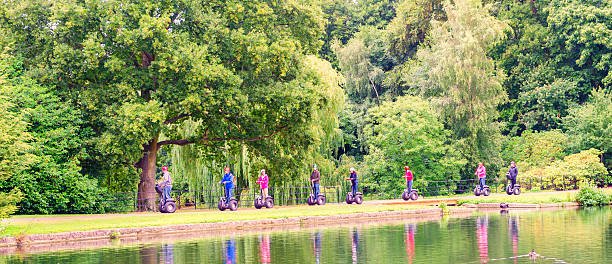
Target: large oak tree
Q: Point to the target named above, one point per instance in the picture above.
(140, 69)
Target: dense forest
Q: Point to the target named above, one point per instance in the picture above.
(96, 96)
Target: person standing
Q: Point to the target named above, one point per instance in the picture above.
(166, 183)
(314, 178)
(482, 174)
(409, 177)
(353, 178)
(263, 182)
(228, 180)
(512, 173)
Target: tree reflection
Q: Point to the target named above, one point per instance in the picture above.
(409, 230)
(482, 232)
(148, 254)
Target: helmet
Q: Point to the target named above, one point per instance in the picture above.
(352, 169)
(164, 168)
(314, 166)
(406, 168)
(227, 169)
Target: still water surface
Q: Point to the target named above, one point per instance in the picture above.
(562, 236)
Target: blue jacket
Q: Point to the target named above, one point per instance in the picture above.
(228, 179)
(353, 178)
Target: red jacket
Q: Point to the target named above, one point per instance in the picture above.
(408, 175)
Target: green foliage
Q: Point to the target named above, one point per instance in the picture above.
(558, 52)
(406, 132)
(534, 150)
(463, 82)
(560, 174)
(590, 125)
(411, 25)
(589, 195)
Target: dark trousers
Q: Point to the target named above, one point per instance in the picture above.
(315, 189)
(354, 189)
(482, 182)
(512, 182)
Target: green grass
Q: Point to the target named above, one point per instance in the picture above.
(44, 226)
(540, 198)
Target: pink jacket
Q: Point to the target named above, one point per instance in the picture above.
(263, 181)
(481, 172)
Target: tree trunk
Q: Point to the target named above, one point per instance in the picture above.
(146, 186)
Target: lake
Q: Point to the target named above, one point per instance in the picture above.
(558, 236)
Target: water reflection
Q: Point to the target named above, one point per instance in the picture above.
(168, 254)
(355, 244)
(513, 233)
(316, 238)
(148, 254)
(230, 251)
(409, 230)
(482, 233)
(264, 248)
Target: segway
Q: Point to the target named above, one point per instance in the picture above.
(165, 206)
(320, 200)
(413, 195)
(486, 191)
(223, 204)
(516, 189)
(358, 198)
(260, 202)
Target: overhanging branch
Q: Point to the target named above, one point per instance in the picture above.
(182, 142)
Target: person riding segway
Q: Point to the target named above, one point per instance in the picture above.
(228, 181)
(353, 196)
(163, 187)
(409, 193)
(483, 188)
(512, 187)
(315, 197)
(264, 199)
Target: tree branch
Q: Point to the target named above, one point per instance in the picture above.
(174, 119)
(182, 142)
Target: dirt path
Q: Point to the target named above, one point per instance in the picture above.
(424, 201)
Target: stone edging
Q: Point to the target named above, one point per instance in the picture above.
(27, 240)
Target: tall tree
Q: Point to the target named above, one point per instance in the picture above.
(140, 69)
(463, 81)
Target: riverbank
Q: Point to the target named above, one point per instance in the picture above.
(30, 230)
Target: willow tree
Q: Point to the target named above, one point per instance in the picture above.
(462, 80)
(140, 69)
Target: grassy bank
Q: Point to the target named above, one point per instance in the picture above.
(58, 224)
(533, 198)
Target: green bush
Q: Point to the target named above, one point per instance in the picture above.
(589, 195)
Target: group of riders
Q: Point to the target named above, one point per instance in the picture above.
(228, 180)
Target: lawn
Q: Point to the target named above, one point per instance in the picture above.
(93, 222)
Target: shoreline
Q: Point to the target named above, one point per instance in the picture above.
(109, 237)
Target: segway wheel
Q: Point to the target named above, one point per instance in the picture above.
(486, 191)
(258, 203)
(517, 191)
(233, 205)
(405, 195)
(162, 208)
(508, 190)
(269, 202)
(358, 198)
(349, 198)
(311, 200)
(321, 200)
(221, 204)
(170, 207)
(414, 195)
(477, 191)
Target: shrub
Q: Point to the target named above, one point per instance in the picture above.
(589, 195)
